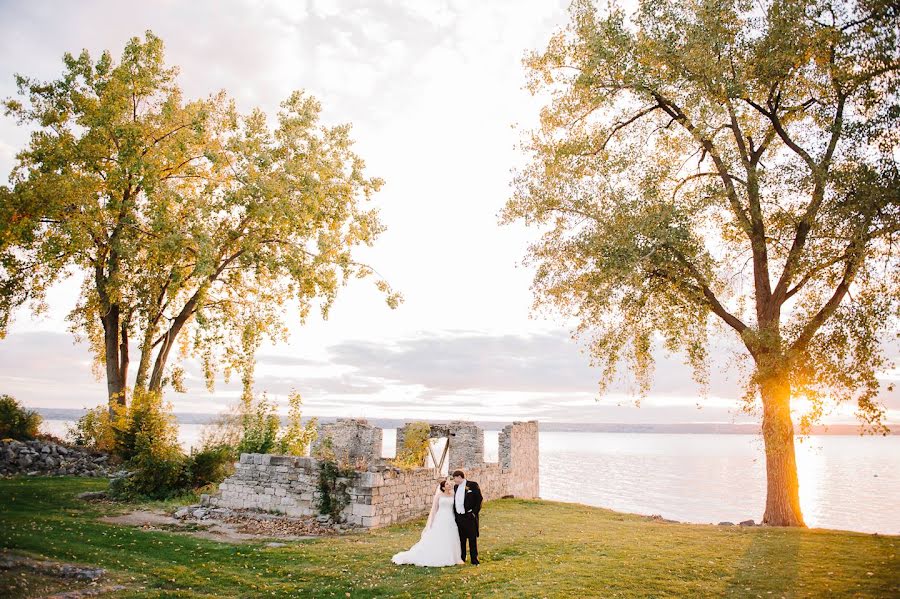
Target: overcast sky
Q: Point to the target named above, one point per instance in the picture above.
(434, 91)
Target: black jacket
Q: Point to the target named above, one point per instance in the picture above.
(471, 503)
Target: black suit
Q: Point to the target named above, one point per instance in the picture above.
(467, 523)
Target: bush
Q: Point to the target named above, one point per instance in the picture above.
(16, 422)
(154, 474)
(94, 430)
(297, 436)
(260, 425)
(211, 465)
(333, 494)
(415, 446)
(162, 473)
(145, 420)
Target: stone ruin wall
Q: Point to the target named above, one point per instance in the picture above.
(382, 494)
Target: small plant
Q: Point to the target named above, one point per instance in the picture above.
(146, 422)
(211, 465)
(297, 436)
(333, 482)
(260, 425)
(416, 440)
(159, 473)
(93, 430)
(147, 419)
(16, 422)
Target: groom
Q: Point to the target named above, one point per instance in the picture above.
(467, 504)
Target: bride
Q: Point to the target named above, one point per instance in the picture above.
(439, 545)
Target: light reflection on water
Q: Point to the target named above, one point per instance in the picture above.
(846, 482)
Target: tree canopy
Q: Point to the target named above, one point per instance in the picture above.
(193, 224)
(709, 164)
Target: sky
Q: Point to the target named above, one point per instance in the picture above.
(435, 93)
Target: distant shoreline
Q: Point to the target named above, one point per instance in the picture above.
(693, 428)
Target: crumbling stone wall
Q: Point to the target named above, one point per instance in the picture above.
(353, 440)
(518, 450)
(383, 494)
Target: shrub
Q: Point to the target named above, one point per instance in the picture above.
(159, 472)
(146, 419)
(416, 440)
(155, 474)
(16, 422)
(333, 490)
(146, 422)
(255, 427)
(94, 430)
(260, 425)
(211, 465)
(297, 436)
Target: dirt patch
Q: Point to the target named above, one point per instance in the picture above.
(22, 576)
(232, 529)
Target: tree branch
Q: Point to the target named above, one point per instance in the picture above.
(675, 112)
(619, 126)
(712, 301)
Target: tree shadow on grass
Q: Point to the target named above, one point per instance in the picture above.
(771, 563)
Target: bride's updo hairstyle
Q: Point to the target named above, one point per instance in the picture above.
(442, 485)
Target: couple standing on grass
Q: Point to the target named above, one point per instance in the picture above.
(452, 523)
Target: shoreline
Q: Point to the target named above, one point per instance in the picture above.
(735, 525)
(665, 428)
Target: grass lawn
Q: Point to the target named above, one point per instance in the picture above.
(528, 549)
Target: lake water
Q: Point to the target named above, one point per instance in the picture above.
(846, 482)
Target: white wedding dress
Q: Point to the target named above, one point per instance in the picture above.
(439, 545)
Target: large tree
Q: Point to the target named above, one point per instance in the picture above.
(194, 225)
(725, 164)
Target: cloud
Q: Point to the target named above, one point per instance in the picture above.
(547, 362)
(447, 374)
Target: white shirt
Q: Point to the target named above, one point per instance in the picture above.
(460, 497)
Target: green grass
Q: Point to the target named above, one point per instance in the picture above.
(529, 549)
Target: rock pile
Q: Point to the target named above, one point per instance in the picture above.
(40, 457)
(261, 523)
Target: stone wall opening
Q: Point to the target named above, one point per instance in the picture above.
(491, 447)
(438, 457)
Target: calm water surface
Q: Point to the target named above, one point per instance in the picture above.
(846, 482)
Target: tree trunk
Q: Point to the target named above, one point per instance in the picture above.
(156, 376)
(115, 377)
(782, 485)
(159, 366)
(143, 371)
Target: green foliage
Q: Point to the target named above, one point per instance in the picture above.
(260, 427)
(193, 224)
(146, 423)
(211, 465)
(416, 439)
(16, 422)
(726, 164)
(156, 473)
(333, 486)
(166, 472)
(147, 436)
(94, 429)
(43, 518)
(297, 437)
(260, 424)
